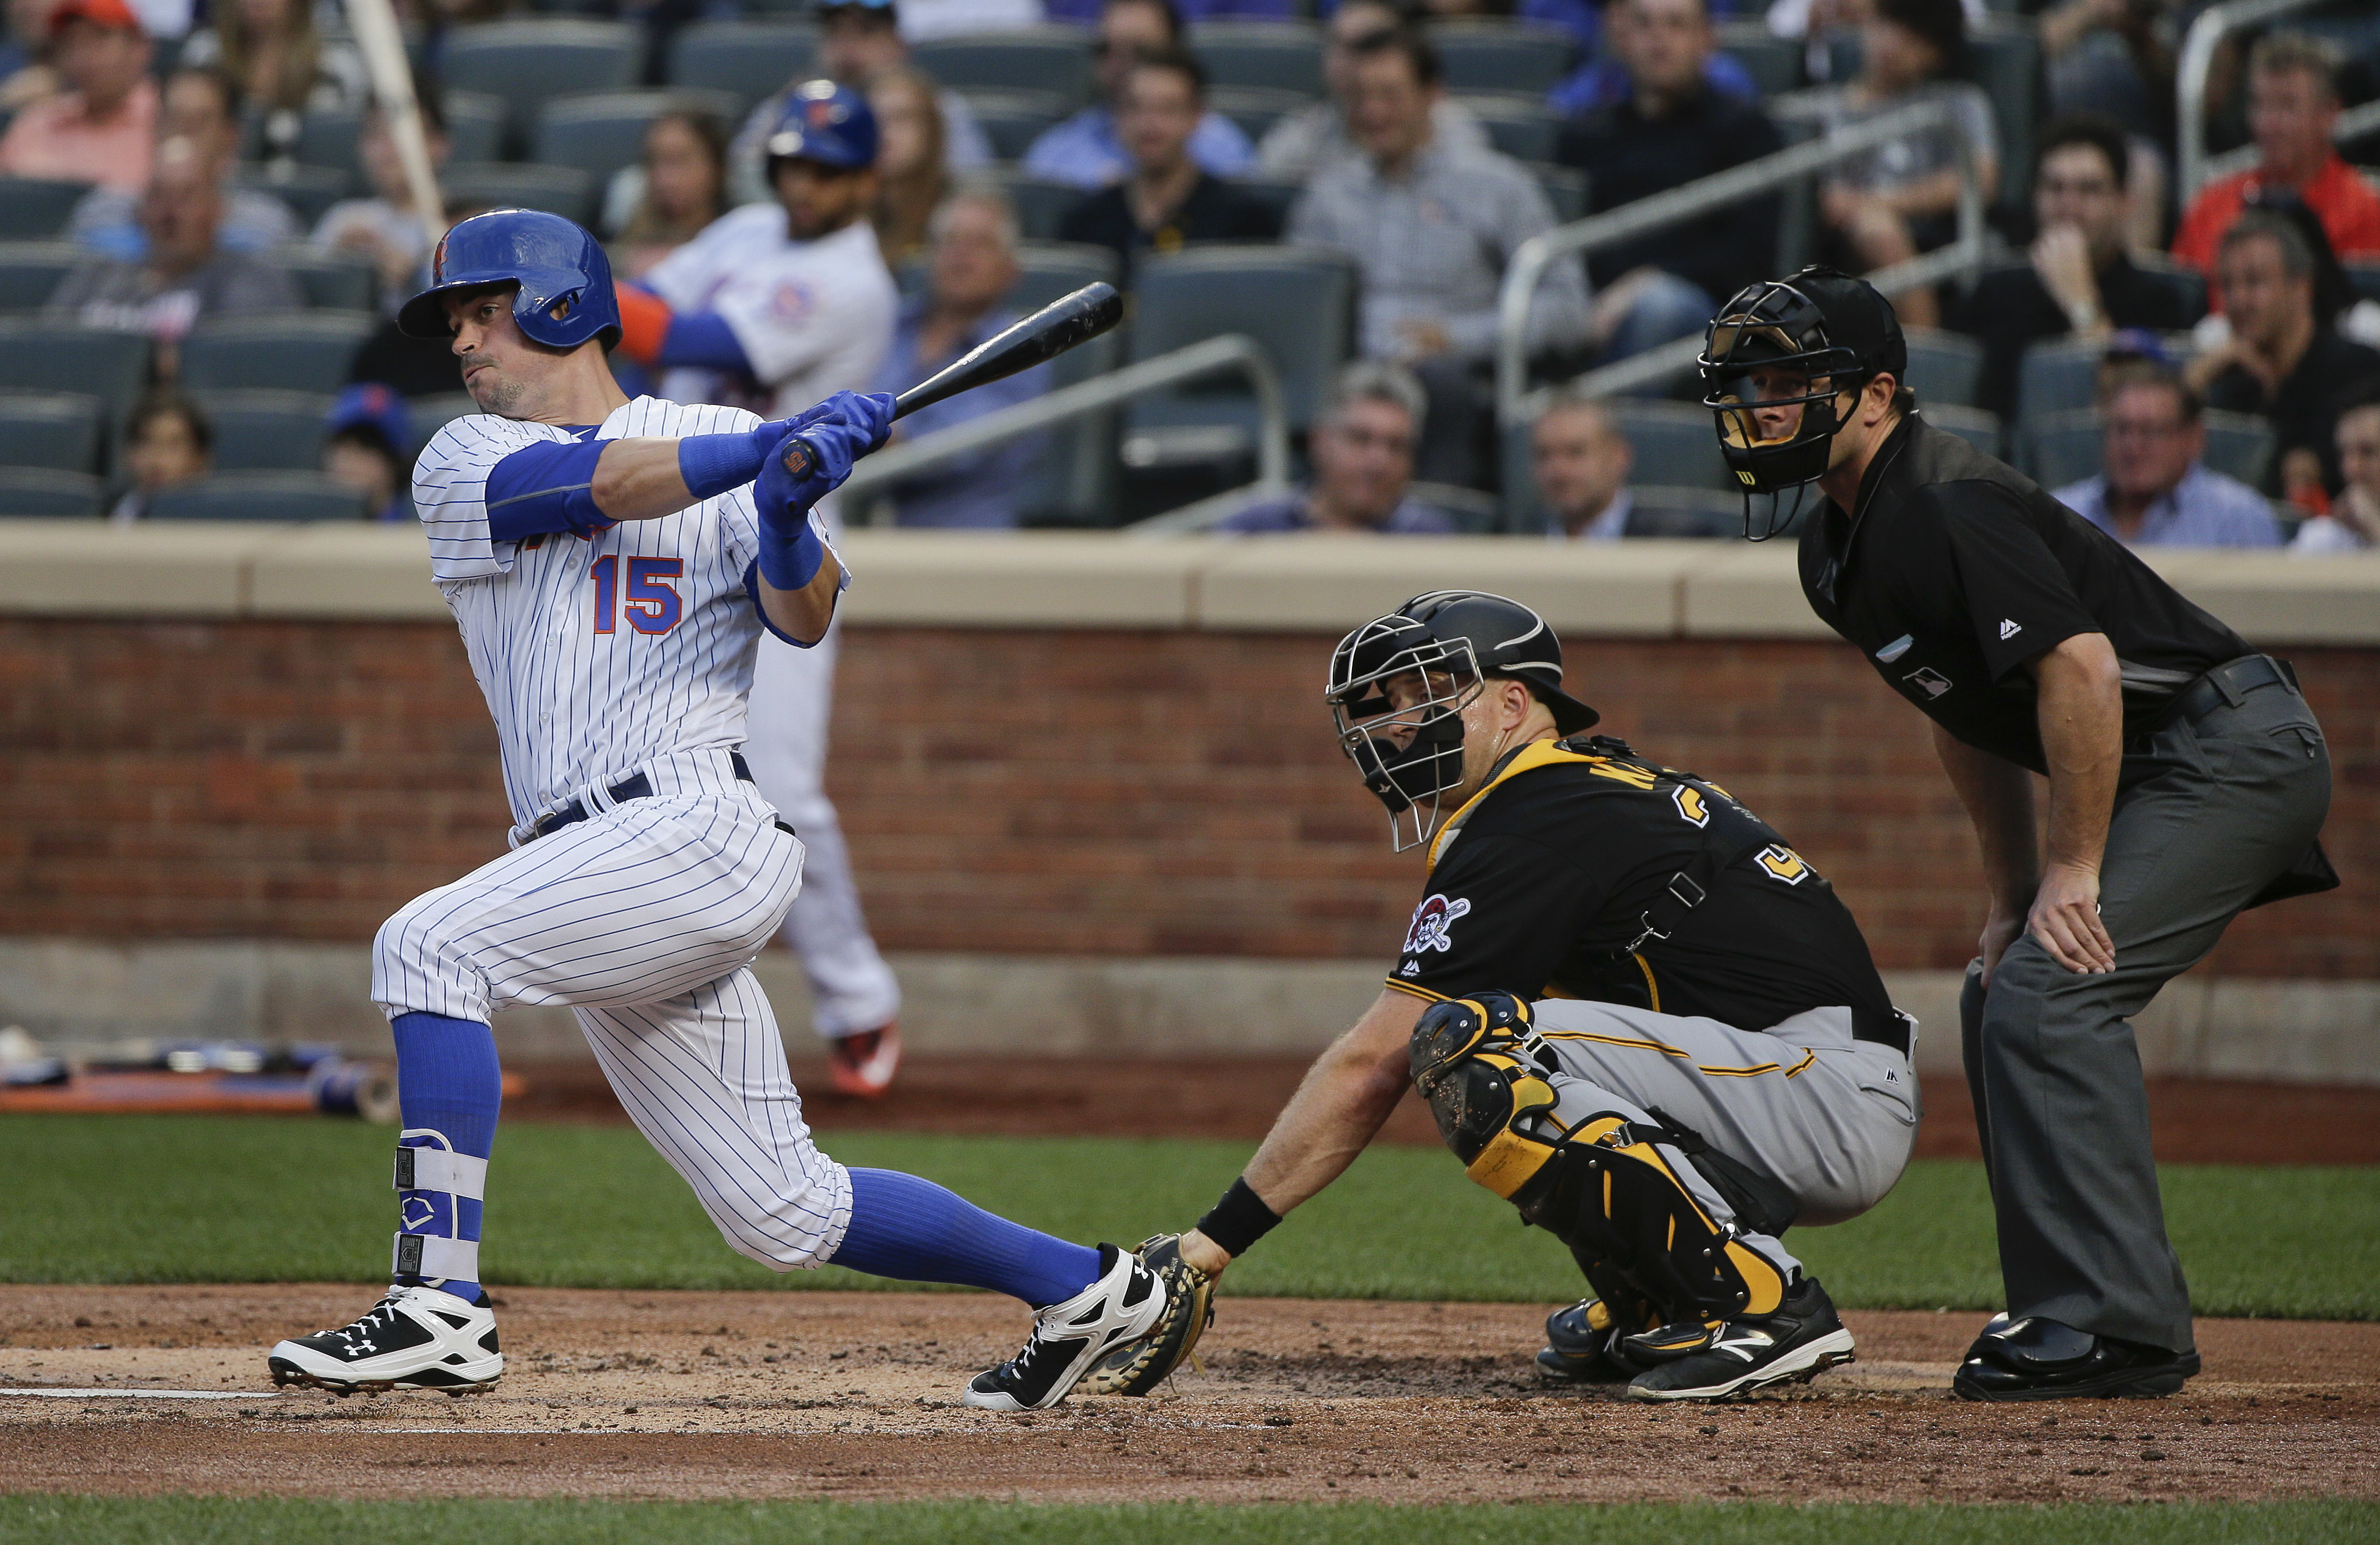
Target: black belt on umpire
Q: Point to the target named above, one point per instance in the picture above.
(2229, 684)
(634, 787)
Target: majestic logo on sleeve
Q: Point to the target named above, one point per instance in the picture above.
(1430, 921)
(2009, 628)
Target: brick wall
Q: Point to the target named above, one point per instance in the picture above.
(1167, 793)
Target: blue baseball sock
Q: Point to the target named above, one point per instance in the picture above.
(913, 1229)
(447, 1082)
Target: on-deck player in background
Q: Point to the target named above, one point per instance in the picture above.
(2187, 780)
(611, 565)
(776, 305)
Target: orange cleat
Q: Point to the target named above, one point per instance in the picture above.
(862, 1065)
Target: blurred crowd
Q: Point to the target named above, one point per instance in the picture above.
(2254, 298)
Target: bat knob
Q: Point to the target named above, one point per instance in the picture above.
(800, 457)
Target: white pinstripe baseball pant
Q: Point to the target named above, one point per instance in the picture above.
(644, 918)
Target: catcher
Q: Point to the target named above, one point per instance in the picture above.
(1636, 1014)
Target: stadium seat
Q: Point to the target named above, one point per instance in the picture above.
(1279, 197)
(34, 209)
(1254, 108)
(59, 431)
(1976, 427)
(1774, 63)
(39, 493)
(2061, 449)
(40, 355)
(333, 281)
(309, 191)
(257, 432)
(257, 496)
(1056, 268)
(2004, 58)
(32, 270)
(306, 353)
(1013, 120)
(565, 190)
(1676, 443)
(1475, 514)
(1040, 206)
(1514, 58)
(1943, 368)
(475, 126)
(1566, 189)
(2239, 446)
(1701, 514)
(1279, 56)
(526, 61)
(1073, 481)
(328, 138)
(1031, 59)
(1298, 301)
(753, 59)
(603, 131)
(426, 416)
(2061, 375)
(1524, 129)
(2190, 282)
(2363, 278)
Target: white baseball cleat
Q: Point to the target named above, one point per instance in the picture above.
(1068, 1338)
(417, 1338)
(1801, 1340)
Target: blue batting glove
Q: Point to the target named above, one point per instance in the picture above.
(825, 451)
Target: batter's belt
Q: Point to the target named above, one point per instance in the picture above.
(634, 787)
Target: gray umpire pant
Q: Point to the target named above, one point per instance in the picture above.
(2206, 816)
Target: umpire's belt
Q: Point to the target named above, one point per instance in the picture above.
(634, 786)
(2227, 684)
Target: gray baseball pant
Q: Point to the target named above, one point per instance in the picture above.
(2206, 817)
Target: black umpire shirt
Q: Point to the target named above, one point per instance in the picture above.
(1955, 570)
(1541, 883)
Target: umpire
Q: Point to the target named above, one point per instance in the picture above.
(2187, 781)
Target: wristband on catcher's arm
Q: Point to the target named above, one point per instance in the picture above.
(1239, 1220)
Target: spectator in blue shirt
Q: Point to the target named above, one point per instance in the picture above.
(2155, 491)
(1363, 452)
(973, 268)
(1085, 152)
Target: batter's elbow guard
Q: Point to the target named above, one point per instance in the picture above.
(644, 324)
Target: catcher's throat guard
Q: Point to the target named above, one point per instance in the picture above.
(1769, 349)
(1603, 1187)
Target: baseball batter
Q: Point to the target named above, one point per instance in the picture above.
(1636, 1012)
(773, 307)
(611, 565)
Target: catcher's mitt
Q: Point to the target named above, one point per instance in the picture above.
(1140, 1366)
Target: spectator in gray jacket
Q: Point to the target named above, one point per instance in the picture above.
(1303, 142)
(1363, 451)
(188, 277)
(1431, 228)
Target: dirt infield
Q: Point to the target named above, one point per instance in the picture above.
(854, 1395)
(2196, 1121)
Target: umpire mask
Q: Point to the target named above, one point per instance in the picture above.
(1801, 342)
(1399, 685)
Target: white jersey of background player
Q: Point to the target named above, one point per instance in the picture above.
(775, 305)
(611, 565)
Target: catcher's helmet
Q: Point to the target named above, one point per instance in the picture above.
(826, 122)
(1819, 323)
(565, 295)
(1411, 755)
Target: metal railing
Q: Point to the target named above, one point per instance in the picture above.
(2197, 62)
(1754, 178)
(1212, 357)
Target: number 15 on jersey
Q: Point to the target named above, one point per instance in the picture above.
(651, 604)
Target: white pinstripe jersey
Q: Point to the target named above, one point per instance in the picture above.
(595, 654)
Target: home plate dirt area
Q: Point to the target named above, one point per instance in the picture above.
(854, 1395)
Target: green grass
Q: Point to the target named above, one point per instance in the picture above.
(42, 1520)
(196, 1198)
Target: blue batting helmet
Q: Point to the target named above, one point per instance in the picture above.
(826, 122)
(565, 294)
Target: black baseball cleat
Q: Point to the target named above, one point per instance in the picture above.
(1735, 1357)
(417, 1338)
(1583, 1352)
(1068, 1338)
(2035, 1359)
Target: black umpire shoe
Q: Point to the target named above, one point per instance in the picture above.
(1803, 1338)
(2035, 1359)
(1576, 1350)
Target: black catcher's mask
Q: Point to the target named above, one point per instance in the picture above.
(1834, 331)
(1445, 644)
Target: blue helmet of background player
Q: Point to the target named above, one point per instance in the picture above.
(565, 295)
(828, 125)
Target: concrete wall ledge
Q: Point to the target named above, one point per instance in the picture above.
(77, 989)
(1093, 580)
